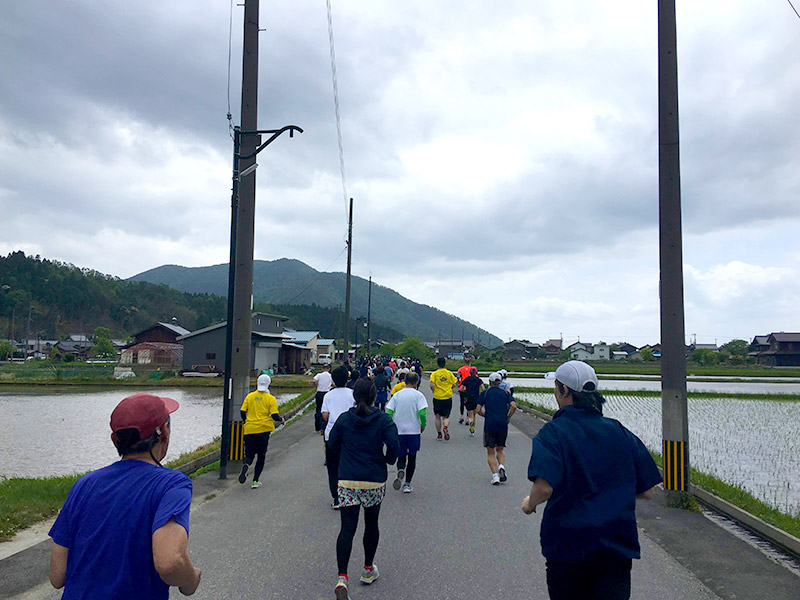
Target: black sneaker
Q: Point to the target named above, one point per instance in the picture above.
(243, 474)
(335, 505)
(502, 472)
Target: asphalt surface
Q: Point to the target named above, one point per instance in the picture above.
(455, 536)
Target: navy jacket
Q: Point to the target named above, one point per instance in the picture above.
(357, 444)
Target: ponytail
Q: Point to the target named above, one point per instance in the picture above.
(590, 399)
(364, 393)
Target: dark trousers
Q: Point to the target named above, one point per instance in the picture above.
(344, 543)
(319, 424)
(333, 476)
(603, 579)
(463, 396)
(412, 465)
(255, 445)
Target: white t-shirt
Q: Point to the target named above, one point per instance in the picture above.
(324, 381)
(336, 402)
(406, 405)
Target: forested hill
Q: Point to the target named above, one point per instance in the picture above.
(49, 299)
(288, 282)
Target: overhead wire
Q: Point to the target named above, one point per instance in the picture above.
(335, 80)
(320, 274)
(793, 8)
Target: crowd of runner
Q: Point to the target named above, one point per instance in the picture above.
(587, 468)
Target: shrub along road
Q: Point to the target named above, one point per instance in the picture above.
(456, 536)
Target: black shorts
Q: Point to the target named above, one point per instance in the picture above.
(256, 443)
(495, 439)
(470, 403)
(443, 408)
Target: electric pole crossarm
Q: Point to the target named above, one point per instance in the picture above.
(276, 133)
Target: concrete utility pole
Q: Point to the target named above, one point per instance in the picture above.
(675, 421)
(238, 379)
(369, 315)
(347, 285)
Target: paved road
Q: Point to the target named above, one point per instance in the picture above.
(456, 536)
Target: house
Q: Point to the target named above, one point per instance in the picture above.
(153, 354)
(520, 350)
(617, 355)
(328, 346)
(161, 332)
(627, 348)
(552, 348)
(305, 339)
(601, 352)
(759, 344)
(696, 346)
(269, 346)
(38, 348)
(76, 344)
(579, 351)
(449, 348)
(784, 350)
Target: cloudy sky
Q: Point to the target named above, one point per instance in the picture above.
(502, 156)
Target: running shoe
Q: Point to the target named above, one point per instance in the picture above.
(407, 489)
(446, 434)
(243, 474)
(461, 420)
(439, 436)
(256, 485)
(472, 429)
(369, 575)
(335, 505)
(495, 479)
(502, 472)
(341, 589)
(398, 481)
(466, 422)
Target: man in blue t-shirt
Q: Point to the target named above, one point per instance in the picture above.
(497, 406)
(124, 529)
(589, 470)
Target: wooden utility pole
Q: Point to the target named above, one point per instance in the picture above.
(347, 285)
(369, 316)
(238, 378)
(674, 410)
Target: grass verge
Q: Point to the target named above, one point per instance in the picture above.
(691, 395)
(24, 501)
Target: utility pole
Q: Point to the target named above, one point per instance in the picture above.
(674, 410)
(240, 305)
(369, 316)
(347, 285)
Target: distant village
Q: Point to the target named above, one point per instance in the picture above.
(278, 348)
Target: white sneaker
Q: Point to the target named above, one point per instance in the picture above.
(495, 479)
(502, 473)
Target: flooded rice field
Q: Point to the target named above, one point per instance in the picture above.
(754, 444)
(58, 431)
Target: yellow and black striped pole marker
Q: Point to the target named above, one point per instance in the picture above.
(676, 465)
(237, 440)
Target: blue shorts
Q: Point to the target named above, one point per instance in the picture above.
(409, 444)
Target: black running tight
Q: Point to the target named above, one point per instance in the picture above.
(412, 465)
(344, 544)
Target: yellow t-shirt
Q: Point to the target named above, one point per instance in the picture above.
(443, 381)
(398, 386)
(259, 406)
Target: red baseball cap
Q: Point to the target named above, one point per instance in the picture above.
(143, 412)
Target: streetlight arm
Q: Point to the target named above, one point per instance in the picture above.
(275, 135)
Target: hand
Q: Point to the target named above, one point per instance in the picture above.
(421, 429)
(527, 507)
(188, 590)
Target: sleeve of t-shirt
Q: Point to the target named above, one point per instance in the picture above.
(60, 531)
(175, 504)
(245, 403)
(647, 475)
(325, 404)
(546, 460)
(391, 404)
(316, 377)
(273, 405)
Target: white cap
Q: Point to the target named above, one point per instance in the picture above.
(495, 376)
(263, 382)
(576, 375)
(503, 372)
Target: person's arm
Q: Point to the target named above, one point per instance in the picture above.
(423, 418)
(390, 412)
(482, 388)
(433, 387)
(244, 415)
(648, 495)
(171, 558)
(58, 565)
(540, 492)
(512, 408)
(325, 415)
(392, 443)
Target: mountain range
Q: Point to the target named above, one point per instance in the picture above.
(288, 281)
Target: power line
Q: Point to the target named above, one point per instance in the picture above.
(320, 274)
(336, 105)
(793, 8)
